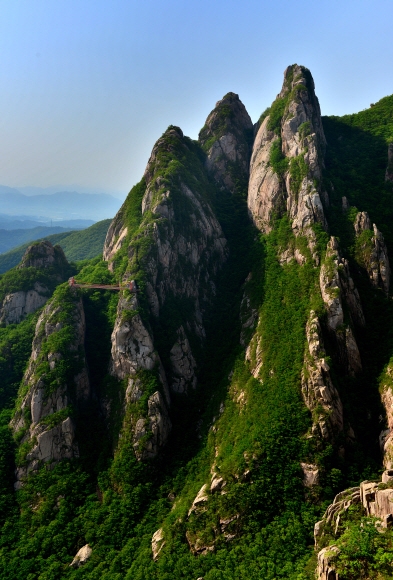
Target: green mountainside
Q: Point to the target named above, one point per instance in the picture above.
(200, 427)
(77, 245)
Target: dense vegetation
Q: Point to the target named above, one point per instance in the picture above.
(9, 239)
(253, 430)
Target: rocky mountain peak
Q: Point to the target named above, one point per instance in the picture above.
(287, 158)
(301, 123)
(43, 255)
(170, 142)
(226, 138)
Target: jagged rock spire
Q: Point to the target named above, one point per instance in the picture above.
(182, 245)
(373, 251)
(227, 137)
(287, 158)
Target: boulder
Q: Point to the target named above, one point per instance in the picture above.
(157, 543)
(82, 556)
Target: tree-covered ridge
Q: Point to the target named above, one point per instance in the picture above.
(79, 245)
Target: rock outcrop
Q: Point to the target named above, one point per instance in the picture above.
(374, 499)
(177, 251)
(82, 556)
(326, 570)
(157, 543)
(17, 305)
(55, 384)
(389, 169)
(226, 138)
(319, 392)
(50, 267)
(287, 157)
(183, 364)
(373, 251)
(43, 256)
(337, 287)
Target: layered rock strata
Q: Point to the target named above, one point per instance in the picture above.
(54, 385)
(373, 251)
(287, 157)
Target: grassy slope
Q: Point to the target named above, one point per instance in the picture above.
(77, 245)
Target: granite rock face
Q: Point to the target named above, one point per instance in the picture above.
(325, 570)
(318, 389)
(300, 138)
(183, 364)
(180, 248)
(226, 138)
(386, 436)
(266, 192)
(337, 288)
(374, 252)
(82, 556)
(157, 543)
(43, 421)
(155, 427)
(18, 305)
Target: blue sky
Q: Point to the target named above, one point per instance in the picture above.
(87, 86)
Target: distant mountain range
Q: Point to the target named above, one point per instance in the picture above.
(77, 245)
(11, 238)
(19, 222)
(62, 205)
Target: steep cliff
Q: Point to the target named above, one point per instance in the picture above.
(54, 384)
(175, 253)
(372, 251)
